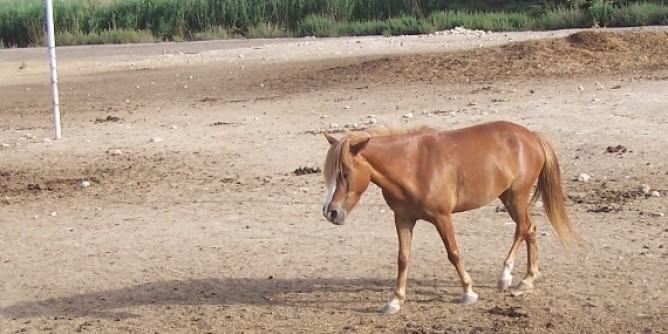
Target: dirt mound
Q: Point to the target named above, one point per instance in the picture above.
(581, 54)
(598, 41)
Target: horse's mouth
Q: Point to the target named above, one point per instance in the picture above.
(338, 220)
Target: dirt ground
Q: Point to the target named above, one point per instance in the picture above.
(171, 204)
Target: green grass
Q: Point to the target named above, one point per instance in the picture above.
(113, 36)
(131, 21)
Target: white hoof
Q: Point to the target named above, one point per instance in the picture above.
(521, 288)
(503, 284)
(391, 308)
(469, 298)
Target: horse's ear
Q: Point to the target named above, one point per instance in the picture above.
(330, 139)
(356, 147)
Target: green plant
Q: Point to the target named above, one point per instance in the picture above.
(639, 14)
(318, 26)
(562, 19)
(601, 12)
(267, 30)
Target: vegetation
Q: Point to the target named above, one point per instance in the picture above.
(124, 21)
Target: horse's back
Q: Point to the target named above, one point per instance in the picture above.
(488, 159)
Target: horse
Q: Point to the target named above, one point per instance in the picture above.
(429, 174)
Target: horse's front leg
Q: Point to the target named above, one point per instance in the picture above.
(447, 232)
(405, 234)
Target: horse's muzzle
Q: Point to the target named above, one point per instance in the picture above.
(336, 216)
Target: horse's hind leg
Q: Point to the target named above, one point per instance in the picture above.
(517, 205)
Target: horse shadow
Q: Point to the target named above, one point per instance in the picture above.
(322, 292)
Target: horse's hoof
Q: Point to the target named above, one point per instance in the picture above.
(469, 298)
(521, 288)
(503, 284)
(391, 308)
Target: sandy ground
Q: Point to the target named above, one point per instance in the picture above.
(194, 222)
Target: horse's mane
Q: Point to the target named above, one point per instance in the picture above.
(339, 155)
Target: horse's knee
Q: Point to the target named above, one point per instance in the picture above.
(403, 259)
(453, 257)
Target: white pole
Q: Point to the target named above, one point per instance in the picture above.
(51, 40)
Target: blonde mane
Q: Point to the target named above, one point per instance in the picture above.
(339, 155)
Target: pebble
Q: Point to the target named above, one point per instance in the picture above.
(115, 152)
(654, 214)
(4, 145)
(584, 178)
(53, 214)
(409, 115)
(156, 140)
(581, 88)
(84, 184)
(655, 194)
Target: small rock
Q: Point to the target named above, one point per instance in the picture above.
(581, 88)
(115, 152)
(333, 126)
(346, 107)
(173, 127)
(655, 194)
(616, 87)
(409, 115)
(4, 145)
(473, 103)
(595, 100)
(644, 188)
(53, 214)
(372, 121)
(84, 184)
(155, 140)
(583, 178)
(47, 141)
(654, 214)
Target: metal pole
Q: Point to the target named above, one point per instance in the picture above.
(51, 40)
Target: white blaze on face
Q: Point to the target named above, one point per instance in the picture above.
(331, 188)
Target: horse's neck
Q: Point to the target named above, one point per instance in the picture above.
(386, 157)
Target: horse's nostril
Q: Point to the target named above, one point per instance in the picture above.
(333, 214)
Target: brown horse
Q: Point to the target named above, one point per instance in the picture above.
(429, 174)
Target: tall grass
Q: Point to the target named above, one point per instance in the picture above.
(102, 21)
(637, 14)
(562, 19)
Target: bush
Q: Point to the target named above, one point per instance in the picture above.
(563, 19)
(601, 12)
(112, 36)
(639, 14)
(318, 26)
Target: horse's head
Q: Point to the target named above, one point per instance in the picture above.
(347, 176)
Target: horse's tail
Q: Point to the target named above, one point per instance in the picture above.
(550, 192)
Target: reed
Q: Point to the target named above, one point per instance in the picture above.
(94, 21)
